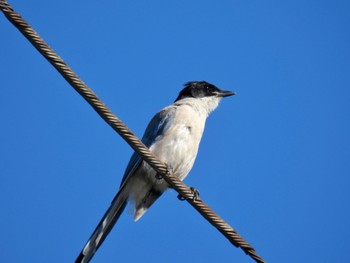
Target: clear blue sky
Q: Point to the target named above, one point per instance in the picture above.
(274, 160)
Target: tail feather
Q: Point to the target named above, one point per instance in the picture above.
(104, 227)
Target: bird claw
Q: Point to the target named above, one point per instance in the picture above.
(195, 193)
(180, 197)
(169, 171)
(159, 176)
(195, 196)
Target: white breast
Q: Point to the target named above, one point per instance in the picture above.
(178, 146)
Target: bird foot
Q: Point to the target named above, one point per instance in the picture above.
(195, 196)
(170, 170)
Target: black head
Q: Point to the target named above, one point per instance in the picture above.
(200, 89)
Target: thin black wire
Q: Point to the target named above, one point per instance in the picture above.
(125, 132)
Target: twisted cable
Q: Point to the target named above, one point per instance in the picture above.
(125, 132)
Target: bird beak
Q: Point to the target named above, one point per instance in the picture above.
(225, 93)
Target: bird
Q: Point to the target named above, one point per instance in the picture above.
(173, 135)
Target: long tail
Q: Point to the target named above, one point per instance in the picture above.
(104, 227)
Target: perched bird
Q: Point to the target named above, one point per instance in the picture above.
(173, 135)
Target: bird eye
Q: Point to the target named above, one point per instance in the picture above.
(210, 90)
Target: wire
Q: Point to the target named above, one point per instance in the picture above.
(125, 132)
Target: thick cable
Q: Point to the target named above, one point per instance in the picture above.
(125, 132)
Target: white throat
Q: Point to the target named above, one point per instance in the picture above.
(203, 105)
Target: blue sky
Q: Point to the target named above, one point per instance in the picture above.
(274, 159)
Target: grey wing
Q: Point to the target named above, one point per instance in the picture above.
(157, 126)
